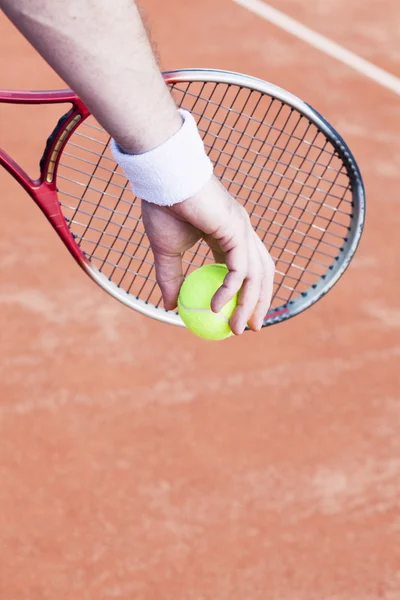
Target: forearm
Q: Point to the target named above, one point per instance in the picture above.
(101, 50)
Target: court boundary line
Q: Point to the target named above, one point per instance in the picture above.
(322, 43)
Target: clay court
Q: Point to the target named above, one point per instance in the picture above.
(138, 462)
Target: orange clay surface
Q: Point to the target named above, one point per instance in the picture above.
(138, 462)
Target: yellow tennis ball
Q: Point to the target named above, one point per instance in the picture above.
(194, 303)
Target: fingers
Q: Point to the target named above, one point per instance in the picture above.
(169, 277)
(218, 254)
(266, 288)
(236, 261)
(251, 272)
(249, 294)
(169, 238)
(219, 257)
(225, 225)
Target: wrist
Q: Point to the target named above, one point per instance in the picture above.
(173, 171)
(153, 134)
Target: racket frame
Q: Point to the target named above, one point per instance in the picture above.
(44, 190)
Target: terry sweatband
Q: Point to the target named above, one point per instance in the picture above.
(172, 172)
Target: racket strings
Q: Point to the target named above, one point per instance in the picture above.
(260, 229)
(228, 181)
(205, 131)
(137, 258)
(303, 210)
(269, 156)
(283, 189)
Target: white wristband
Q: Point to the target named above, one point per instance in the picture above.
(172, 172)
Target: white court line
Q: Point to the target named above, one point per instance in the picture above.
(322, 43)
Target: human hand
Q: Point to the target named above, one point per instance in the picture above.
(213, 215)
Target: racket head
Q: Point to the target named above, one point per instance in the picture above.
(274, 153)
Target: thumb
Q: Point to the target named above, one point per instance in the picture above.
(169, 277)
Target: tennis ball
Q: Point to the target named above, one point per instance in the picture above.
(194, 303)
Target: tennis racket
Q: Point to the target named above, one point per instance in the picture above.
(276, 155)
